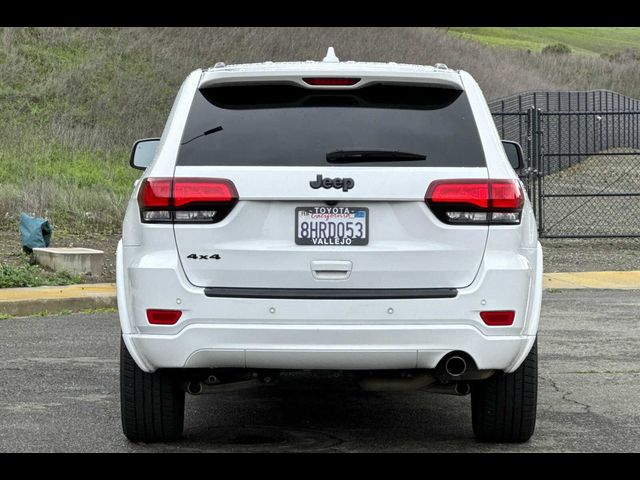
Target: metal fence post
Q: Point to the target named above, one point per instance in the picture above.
(529, 161)
(539, 168)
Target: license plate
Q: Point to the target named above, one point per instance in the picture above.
(332, 226)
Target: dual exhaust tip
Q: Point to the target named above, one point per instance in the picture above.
(455, 366)
(452, 366)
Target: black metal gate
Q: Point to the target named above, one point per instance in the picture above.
(582, 167)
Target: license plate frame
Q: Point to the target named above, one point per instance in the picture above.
(329, 213)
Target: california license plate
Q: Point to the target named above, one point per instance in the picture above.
(332, 226)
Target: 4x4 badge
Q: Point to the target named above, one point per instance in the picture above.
(197, 256)
(345, 183)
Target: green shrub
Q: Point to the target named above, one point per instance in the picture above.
(25, 275)
(557, 49)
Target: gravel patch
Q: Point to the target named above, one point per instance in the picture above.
(615, 172)
(590, 255)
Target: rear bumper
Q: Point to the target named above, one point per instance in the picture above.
(350, 347)
(327, 334)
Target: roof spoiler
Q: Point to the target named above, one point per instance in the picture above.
(296, 76)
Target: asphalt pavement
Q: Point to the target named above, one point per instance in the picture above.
(59, 393)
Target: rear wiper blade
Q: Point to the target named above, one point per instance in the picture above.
(208, 132)
(353, 156)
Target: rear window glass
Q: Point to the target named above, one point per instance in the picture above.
(287, 125)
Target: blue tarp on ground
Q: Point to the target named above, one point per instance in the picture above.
(35, 232)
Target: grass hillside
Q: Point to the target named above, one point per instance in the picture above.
(73, 100)
(582, 40)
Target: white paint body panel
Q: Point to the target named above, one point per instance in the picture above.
(293, 72)
(408, 247)
(494, 268)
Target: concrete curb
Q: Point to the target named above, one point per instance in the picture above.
(597, 280)
(22, 302)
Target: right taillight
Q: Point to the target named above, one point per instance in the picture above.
(476, 202)
(186, 200)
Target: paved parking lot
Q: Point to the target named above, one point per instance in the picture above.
(59, 392)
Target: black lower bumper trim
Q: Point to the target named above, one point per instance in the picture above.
(331, 293)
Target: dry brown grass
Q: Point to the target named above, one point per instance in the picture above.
(85, 90)
(115, 85)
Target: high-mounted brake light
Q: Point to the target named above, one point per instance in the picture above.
(163, 317)
(476, 202)
(331, 81)
(186, 200)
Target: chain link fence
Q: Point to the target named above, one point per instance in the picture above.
(582, 167)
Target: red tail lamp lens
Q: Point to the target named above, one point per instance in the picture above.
(202, 190)
(506, 195)
(498, 317)
(464, 193)
(155, 192)
(163, 317)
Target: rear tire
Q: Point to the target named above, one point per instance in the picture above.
(503, 407)
(152, 404)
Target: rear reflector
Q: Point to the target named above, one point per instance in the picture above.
(476, 202)
(163, 317)
(186, 200)
(498, 317)
(326, 81)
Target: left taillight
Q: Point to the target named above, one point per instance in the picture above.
(186, 200)
(154, 200)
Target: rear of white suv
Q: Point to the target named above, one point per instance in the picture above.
(336, 216)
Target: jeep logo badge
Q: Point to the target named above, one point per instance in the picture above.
(345, 184)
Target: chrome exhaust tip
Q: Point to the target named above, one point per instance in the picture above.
(455, 366)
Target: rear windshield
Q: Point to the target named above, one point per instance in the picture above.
(287, 125)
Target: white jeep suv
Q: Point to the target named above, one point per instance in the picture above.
(359, 219)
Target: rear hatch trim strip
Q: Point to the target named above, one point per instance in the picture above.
(331, 293)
